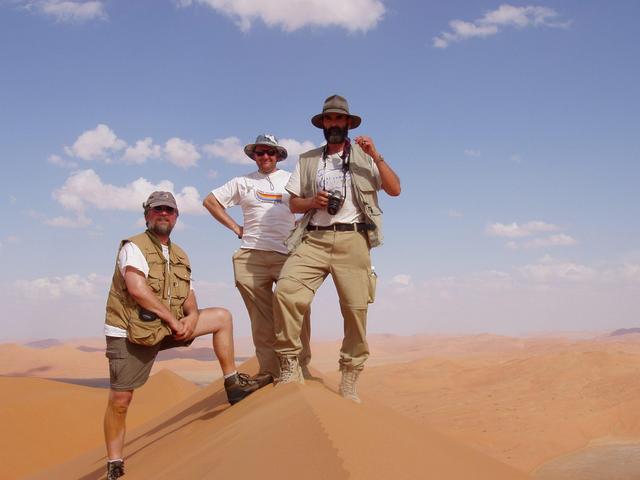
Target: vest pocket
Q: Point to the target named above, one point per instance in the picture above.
(147, 333)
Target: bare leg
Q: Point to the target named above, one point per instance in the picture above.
(218, 321)
(114, 422)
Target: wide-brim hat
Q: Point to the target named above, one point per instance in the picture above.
(268, 141)
(336, 104)
(157, 199)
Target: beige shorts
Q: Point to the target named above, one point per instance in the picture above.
(130, 364)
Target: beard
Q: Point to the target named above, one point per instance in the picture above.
(161, 228)
(335, 134)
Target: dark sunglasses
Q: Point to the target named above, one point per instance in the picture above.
(163, 208)
(271, 152)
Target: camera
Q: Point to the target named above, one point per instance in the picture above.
(335, 201)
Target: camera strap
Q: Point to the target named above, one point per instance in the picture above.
(345, 156)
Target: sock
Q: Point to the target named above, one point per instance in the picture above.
(229, 375)
(115, 460)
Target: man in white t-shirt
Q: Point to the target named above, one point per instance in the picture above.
(267, 222)
(335, 186)
(151, 307)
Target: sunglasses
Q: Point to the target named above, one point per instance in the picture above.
(163, 208)
(271, 152)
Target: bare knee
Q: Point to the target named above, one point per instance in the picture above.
(119, 401)
(215, 320)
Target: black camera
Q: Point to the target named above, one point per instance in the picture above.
(335, 201)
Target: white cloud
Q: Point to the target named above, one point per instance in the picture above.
(559, 240)
(552, 272)
(513, 230)
(142, 151)
(181, 153)
(85, 189)
(53, 288)
(295, 148)
(291, 15)
(470, 152)
(67, 11)
(229, 149)
(58, 161)
(213, 174)
(401, 279)
(80, 221)
(97, 144)
(492, 22)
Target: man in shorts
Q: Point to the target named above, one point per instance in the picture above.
(152, 307)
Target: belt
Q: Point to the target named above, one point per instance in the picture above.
(343, 227)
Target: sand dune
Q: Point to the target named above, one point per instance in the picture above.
(285, 433)
(45, 422)
(521, 410)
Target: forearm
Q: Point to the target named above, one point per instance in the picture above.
(218, 212)
(148, 301)
(390, 181)
(300, 205)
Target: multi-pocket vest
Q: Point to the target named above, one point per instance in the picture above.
(169, 281)
(365, 186)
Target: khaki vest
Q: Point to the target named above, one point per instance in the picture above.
(171, 286)
(365, 186)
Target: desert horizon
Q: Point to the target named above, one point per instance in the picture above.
(553, 406)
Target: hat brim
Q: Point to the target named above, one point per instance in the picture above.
(282, 152)
(160, 203)
(354, 120)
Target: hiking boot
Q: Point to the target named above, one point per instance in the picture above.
(262, 379)
(289, 370)
(348, 384)
(238, 386)
(115, 469)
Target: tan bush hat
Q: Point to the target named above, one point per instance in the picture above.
(336, 104)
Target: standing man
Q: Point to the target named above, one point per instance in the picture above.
(335, 186)
(151, 307)
(267, 221)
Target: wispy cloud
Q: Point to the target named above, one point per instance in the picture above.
(142, 151)
(494, 21)
(53, 288)
(291, 15)
(58, 161)
(470, 152)
(514, 230)
(67, 11)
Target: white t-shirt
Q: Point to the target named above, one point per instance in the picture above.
(130, 255)
(331, 177)
(265, 208)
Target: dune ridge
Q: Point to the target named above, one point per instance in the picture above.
(291, 431)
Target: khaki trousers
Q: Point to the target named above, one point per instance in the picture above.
(344, 255)
(256, 272)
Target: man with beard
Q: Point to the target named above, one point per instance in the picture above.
(335, 186)
(152, 307)
(267, 221)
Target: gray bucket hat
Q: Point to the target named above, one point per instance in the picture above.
(160, 198)
(336, 104)
(268, 141)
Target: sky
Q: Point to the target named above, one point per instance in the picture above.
(514, 128)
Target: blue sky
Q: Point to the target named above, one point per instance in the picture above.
(513, 126)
